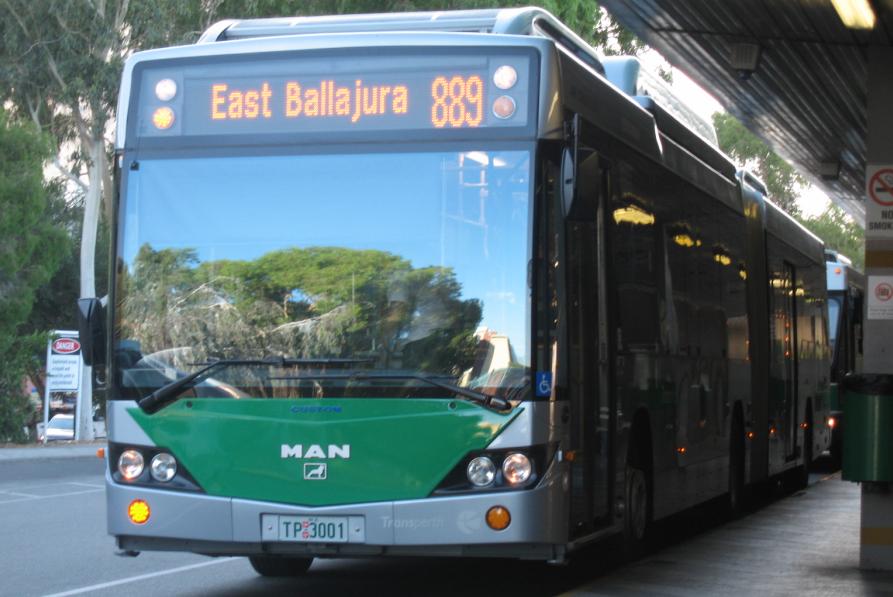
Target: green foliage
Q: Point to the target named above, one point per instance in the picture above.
(780, 177)
(16, 410)
(840, 233)
(833, 226)
(31, 249)
(582, 16)
(613, 38)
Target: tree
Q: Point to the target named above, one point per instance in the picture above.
(782, 180)
(840, 232)
(834, 226)
(30, 251)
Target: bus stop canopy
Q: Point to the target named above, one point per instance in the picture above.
(790, 70)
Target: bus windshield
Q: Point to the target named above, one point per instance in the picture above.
(406, 265)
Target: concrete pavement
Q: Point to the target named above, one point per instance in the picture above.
(804, 544)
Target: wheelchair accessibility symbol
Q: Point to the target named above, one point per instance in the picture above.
(543, 384)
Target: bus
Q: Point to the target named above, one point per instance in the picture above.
(441, 284)
(846, 296)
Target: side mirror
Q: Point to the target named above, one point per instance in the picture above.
(91, 330)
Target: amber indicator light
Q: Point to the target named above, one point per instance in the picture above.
(498, 518)
(163, 118)
(138, 512)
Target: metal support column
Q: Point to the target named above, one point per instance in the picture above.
(876, 537)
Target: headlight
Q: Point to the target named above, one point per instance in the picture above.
(481, 471)
(516, 468)
(130, 464)
(163, 467)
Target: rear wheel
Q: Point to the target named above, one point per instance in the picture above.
(737, 491)
(837, 445)
(801, 474)
(280, 565)
(638, 512)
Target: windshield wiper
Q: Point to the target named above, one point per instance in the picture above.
(493, 402)
(169, 392)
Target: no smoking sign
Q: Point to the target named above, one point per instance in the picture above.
(879, 206)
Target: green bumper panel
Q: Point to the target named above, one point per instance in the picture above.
(868, 428)
(274, 449)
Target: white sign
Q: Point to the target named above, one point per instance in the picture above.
(880, 297)
(879, 201)
(64, 365)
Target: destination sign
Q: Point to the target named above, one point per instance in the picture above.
(336, 95)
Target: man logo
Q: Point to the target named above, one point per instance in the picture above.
(315, 451)
(315, 471)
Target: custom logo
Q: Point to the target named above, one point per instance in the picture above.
(66, 345)
(309, 410)
(315, 451)
(315, 471)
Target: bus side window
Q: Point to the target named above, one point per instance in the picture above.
(634, 254)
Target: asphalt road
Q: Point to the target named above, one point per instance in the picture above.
(53, 542)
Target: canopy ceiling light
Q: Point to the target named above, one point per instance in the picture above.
(744, 58)
(855, 14)
(829, 170)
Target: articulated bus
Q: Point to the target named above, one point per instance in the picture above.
(846, 297)
(438, 284)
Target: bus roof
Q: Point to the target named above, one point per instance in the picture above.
(528, 21)
(626, 73)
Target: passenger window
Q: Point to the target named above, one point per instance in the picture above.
(634, 254)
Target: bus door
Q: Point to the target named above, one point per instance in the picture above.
(784, 341)
(586, 347)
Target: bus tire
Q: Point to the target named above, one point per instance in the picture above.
(836, 448)
(801, 474)
(637, 518)
(279, 566)
(737, 489)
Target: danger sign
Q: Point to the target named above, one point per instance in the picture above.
(879, 206)
(880, 297)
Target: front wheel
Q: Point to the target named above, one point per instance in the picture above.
(280, 566)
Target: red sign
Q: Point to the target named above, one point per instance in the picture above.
(883, 292)
(880, 187)
(66, 346)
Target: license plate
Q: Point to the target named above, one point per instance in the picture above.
(313, 529)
